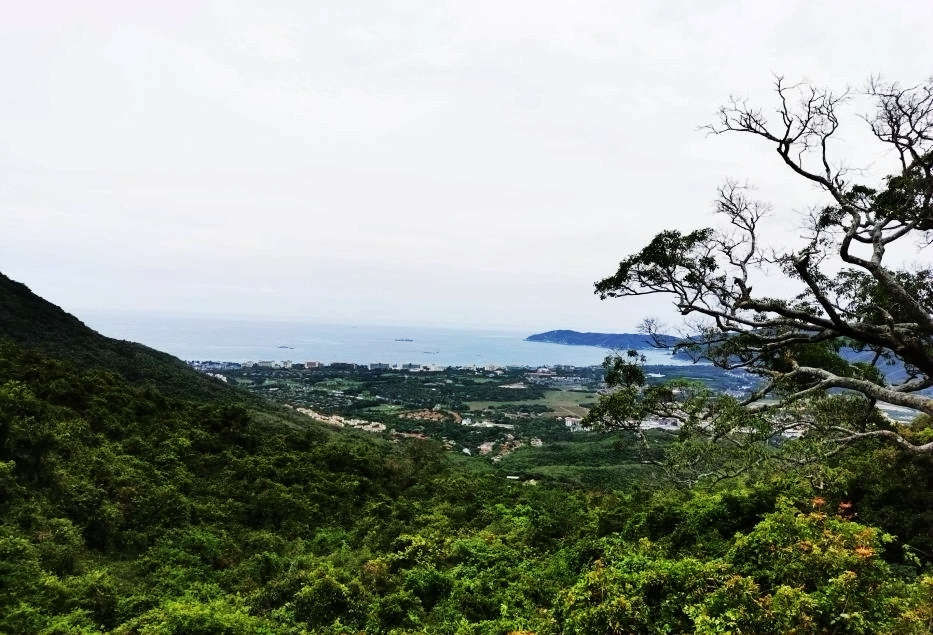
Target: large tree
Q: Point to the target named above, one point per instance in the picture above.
(851, 298)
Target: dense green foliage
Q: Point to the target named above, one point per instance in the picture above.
(128, 510)
(147, 504)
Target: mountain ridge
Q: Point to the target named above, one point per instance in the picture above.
(34, 323)
(637, 341)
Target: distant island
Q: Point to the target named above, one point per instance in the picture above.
(637, 341)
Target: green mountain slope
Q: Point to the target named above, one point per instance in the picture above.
(126, 508)
(34, 323)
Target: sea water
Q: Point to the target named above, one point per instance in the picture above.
(237, 340)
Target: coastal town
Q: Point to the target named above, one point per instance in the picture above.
(286, 364)
(488, 411)
(485, 410)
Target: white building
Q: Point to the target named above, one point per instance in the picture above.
(573, 424)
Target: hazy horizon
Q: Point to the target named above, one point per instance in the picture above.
(426, 164)
(237, 340)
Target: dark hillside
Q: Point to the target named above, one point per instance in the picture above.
(34, 323)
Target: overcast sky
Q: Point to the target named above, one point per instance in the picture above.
(459, 163)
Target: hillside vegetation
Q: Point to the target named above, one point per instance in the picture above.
(34, 323)
(145, 501)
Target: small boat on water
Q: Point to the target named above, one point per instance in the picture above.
(404, 339)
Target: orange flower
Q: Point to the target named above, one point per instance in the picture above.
(819, 501)
(864, 552)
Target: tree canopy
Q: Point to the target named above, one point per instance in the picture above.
(859, 331)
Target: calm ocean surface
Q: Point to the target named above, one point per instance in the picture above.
(239, 340)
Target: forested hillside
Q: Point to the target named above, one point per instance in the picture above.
(132, 506)
(34, 323)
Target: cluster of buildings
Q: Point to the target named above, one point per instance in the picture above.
(467, 421)
(574, 424)
(342, 422)
(543, 374)
(285, 363)
(550, 377)
(207, 366)
(290, 365)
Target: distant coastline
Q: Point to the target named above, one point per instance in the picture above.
(612, 341)
(237, 340)
(636, 341)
